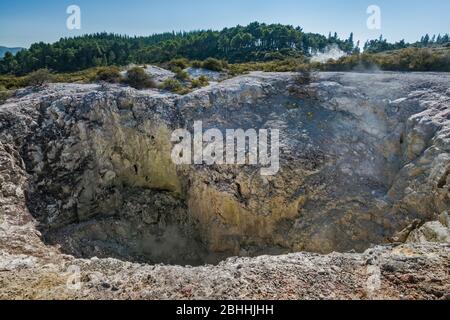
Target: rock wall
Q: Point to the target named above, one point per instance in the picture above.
(362, 156)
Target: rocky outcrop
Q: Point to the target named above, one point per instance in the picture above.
(432, 231)
(86, 170)
(403, 272)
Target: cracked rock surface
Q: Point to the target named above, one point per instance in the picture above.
(87, 184)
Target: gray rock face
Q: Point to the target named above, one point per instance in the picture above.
(362, 156)
(159, 74)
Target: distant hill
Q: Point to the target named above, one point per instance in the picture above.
(4, 50)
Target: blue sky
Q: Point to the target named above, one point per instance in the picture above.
(25, 22)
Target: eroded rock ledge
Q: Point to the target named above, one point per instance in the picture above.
(403, 272)
(86, 170)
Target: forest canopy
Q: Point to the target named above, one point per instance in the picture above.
(256, 42)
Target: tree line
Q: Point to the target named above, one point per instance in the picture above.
(255, 42)
(382, 45)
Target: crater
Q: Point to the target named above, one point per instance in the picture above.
(102, 182)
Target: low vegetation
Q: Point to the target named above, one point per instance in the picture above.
(234, 51)
(11, 82)
(5, 94)
(202, 81)
(214, 64)
(409, 59)
(180, 74)
(84, 76)
(137, 78)
(39, 78)
(184, 87)
(286, 65)
(109, 74)
(174, 86)
(181, 63)
(197, 64)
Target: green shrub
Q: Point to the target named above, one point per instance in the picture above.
(202, 81)
(417, 59)
(175, 86)
(213, 64)
(181, 63)
(39, 78)
(286, 65)
(197, 64)
(137, 78)
(270, 56)
(109, 74)
(4, 94)
(180, 74)
(195, 83)
(172, 85)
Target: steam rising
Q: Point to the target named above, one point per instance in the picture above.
(331, 52)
